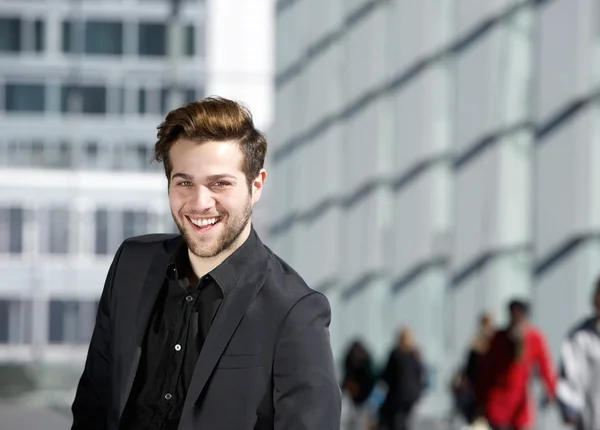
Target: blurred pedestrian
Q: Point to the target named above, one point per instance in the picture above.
(357, 384)
(465, 381)
(405, 378)
(506, 369)
(578, 391)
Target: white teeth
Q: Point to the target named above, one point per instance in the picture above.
(202, 222)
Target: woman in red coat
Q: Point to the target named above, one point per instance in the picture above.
(506, 370)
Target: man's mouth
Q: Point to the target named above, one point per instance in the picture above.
(204, 224)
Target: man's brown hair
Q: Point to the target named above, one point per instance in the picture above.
(217, 119)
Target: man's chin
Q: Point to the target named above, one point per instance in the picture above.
(205, 251)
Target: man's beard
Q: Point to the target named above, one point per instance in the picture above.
(231, 232)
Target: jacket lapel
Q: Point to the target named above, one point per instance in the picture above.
(148, 294)
(230, 314)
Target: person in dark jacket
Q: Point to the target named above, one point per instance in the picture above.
(404, 376)
(464, 383)
(358, 382)
(359, 377)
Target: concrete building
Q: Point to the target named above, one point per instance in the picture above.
(432, 159)
(83, 85)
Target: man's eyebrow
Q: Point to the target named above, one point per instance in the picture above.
(214, 178)
(182, 175)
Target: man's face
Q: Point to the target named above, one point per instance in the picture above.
(518, 317)
(209, 196)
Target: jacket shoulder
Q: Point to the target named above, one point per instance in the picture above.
(287, 282)
(149, 244)
(588, 326)
(537, 333)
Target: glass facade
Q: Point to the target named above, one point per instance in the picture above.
(455, 154)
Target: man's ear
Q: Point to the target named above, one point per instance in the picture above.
(257, 185)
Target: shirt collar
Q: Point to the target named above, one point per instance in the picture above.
(225, 274)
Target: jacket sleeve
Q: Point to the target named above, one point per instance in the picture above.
(306, 395)
(544, 362)
(574, 373)
(91, 401)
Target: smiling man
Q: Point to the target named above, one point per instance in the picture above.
(208, 329)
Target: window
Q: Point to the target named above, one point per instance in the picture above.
(136, 157)
(101, 227)
(120, 102)
(165, 102)
(142, 101)
(71, 321)
(10, 35)
(94, 156)
(135, 223)
(142, 155)
(189, 40)
(3, 153)
(189, 95)
(25, 98)
(169, 224)
(57, 228)
(4, 318)
(17, 35)
(38, 36)
(15, 321)
(59, 155)
(11, 230)
(152, 39)
(104, 38)
(83, 99)
(69, 41)
(113, 227)
(37, 154)
(91, 152)
(93, 37)
(16, 154)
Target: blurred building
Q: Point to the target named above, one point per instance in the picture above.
(432, 159)
(84, 85)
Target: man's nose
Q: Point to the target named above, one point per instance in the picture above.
(203, 198)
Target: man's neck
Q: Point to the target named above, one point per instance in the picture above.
(519, 327)
(201, 266)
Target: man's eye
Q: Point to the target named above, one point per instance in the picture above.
(185, 183)
(222, 184)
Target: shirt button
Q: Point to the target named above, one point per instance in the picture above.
(168, 396)
(189, 298)
(177, 347)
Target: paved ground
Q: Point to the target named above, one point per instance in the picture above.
(30, 417)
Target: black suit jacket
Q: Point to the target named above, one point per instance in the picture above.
(266, 362)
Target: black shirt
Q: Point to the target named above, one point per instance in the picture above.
(176, 331)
